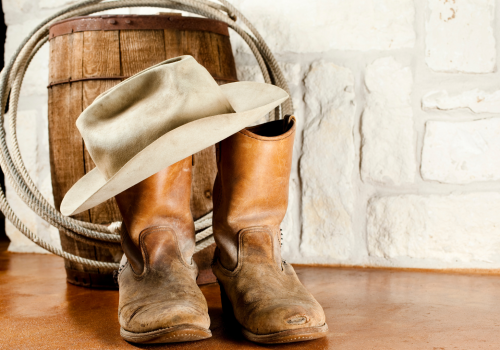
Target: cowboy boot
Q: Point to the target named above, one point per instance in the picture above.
(250, 201)
(159, 299)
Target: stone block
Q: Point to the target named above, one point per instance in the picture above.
(459, 36)
(462, 228)
(388, 147)
(17, 10)
(52, 4)
(461, 152)
(323, 25)
(476, 100)
(327, 162)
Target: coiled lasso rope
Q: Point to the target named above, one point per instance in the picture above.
(11, 78)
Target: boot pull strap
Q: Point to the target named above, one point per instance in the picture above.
(289, 119)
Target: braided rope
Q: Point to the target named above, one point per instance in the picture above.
(11, 78)
(204, 234)
(204, 244)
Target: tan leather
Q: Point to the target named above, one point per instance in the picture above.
(250, 201)
(162, 199)
(251, 187)
(158, 285)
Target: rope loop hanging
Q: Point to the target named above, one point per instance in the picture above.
(11, 78)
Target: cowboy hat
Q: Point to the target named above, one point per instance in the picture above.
(156, 118)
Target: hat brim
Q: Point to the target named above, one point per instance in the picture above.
(250, 101)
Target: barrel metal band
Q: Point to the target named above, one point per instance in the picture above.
(136, 22)
(119, 77)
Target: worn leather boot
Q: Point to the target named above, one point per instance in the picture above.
(159, 299)
(250, 200)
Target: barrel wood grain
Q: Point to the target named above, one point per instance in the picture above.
(141, 49)
(66, 145)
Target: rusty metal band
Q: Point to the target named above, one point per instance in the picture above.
(136, 22)
(69, 81)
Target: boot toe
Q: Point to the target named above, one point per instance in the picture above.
(285, 316)
(154, 316)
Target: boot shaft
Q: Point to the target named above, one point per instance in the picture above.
(160, 201)
(251, 188)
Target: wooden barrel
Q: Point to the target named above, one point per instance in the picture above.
(89, 55)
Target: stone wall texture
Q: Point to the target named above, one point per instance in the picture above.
(396, 156)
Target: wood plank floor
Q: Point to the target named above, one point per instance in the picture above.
(365, 309)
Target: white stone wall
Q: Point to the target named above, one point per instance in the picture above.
(396, 159)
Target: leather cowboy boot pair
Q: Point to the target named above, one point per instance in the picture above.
(159, 299)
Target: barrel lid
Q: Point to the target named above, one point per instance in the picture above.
(136, 22)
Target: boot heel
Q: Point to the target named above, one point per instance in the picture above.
(227, 308)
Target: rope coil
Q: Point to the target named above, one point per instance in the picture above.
(11, 78)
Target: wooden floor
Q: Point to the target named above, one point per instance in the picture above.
(365, 309)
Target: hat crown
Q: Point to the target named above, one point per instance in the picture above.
(124, 120)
